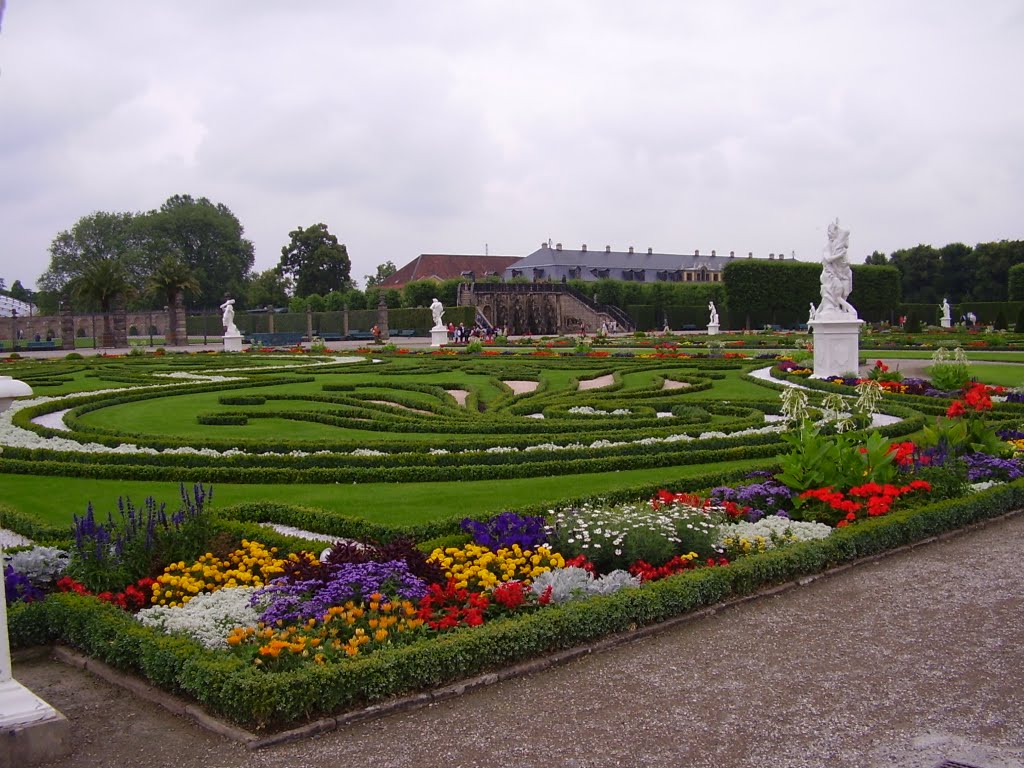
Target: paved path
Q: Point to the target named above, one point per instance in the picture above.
(905, 661)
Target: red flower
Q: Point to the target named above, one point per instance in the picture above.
(955, 409)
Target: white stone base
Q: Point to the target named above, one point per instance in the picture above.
(946, 322)
(836, 347)
(232, 343)
(438, 336)
(713, 329)
(31, 731)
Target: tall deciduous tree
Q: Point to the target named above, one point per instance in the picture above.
(267, 288)
(207, 237)
(315, 261)
(98, 237)
(384, 271)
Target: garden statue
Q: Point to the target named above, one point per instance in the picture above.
(947, 315)
(834, 321)
(437, 310)
(836, 276)
(230, 329)
(714, 313)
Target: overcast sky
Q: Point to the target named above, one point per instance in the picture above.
(457, 126)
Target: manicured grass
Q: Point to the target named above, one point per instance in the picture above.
(1003, 375)
(56, 500)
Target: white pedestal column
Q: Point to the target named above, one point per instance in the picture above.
(31, 731)
(946, 322)
(836, 346)
(438, 336)
(713, 329)
(232, 343)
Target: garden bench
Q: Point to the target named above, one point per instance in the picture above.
(330, 336)
(404, 333)
(360, 336)
(276, 339)
(41, 345)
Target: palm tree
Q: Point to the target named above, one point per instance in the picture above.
(171, 278)
(102, 283)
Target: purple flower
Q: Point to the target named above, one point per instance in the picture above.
(983, 466)
(768, 497)
(303, 600)
(19, 587)
(506, 529)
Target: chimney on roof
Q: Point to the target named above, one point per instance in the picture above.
(607, 249)
(584, 248)
(650, 251)
(544, 245)
(558, 246)
(696, 251)
(631, 249)
(732, 254)
(713, 254)
(771, 256)
(750, 254)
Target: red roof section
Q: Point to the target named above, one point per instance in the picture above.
(440, 266)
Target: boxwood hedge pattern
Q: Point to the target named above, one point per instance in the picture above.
(393, 418)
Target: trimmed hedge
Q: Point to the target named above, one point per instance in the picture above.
(254, 698)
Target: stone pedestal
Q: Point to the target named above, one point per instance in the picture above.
(836, 345)
(438, 336)
(712, 329)
(31, 731)
(232, 343)
(946, 322)
(10, 389)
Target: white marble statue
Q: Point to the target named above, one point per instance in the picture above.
(836, 275)
(714, 313)
(811, 313)
(946, 313)
(228, 319)
(437, 310)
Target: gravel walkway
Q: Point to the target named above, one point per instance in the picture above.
(904, 661)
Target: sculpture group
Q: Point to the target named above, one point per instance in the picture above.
(834, 321)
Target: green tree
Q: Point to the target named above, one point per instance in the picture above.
(920, 269)
(384, 271)
(267, 288)
(994, 261)
(207, 237)
(1015, 281)
(876, 258)
(100, 284)
(420, 293)
(19, 292)
(315, 261)
(169, 282)
(94, 239)
(957, 271)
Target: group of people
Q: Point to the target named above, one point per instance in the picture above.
(460, 334)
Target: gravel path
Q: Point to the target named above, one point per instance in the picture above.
(904, 661)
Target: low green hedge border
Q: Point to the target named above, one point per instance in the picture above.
(257, 699)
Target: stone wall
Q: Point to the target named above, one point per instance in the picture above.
(137, 324)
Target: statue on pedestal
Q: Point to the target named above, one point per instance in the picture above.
(228, 319)
(437, 310)
(714, 313)
(947, 314)
(836, 276)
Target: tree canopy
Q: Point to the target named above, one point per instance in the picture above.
(384, 271)
(207, 237)
(98, 237)
(315, 261)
